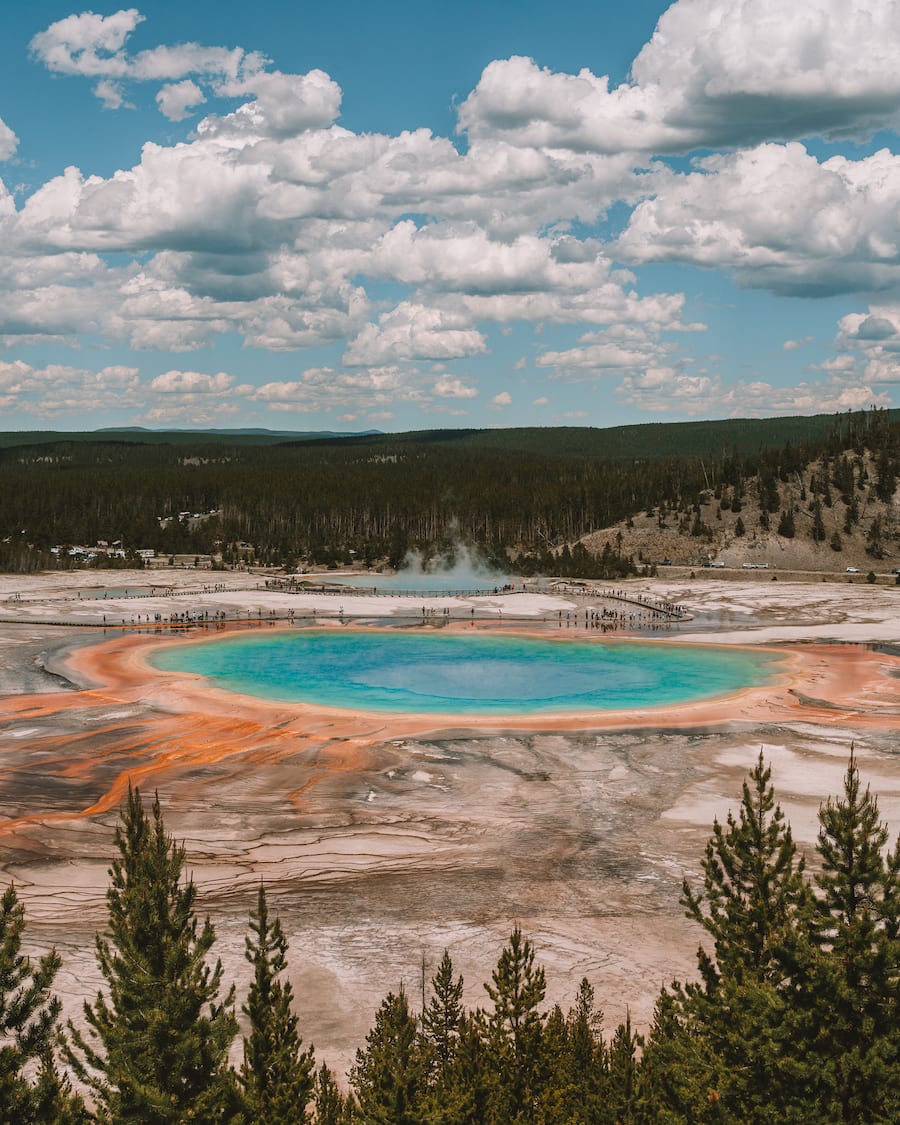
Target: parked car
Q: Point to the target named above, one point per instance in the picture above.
(853, 570)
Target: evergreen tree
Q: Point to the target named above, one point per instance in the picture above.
(54, 1099)
(786, 527)
(330, 1102)
(754, 895)
(886, 468)
(156, 1049)
(399, 546)
(874, 534)
(748, 1009)
(575, 1060)
(677, 1066)
(515, 1031)
(28, 1015)
(277, 1073)
(768, 492)
(388, 1076)
(467, 1091)
(556, 1102)
(623, 1070)
(852, 514)
(441, 1022)
(442, 1015)
(589, 1057)
(818, 527)
(857, 1040)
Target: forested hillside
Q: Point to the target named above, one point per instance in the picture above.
(370, 498)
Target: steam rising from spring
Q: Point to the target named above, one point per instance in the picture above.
(459, 569)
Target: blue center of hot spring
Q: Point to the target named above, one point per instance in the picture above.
(474, 674)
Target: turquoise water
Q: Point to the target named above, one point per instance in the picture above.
(441, 582)
(465, 673)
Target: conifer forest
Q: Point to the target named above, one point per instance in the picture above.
(519, 496)
(792, 1015)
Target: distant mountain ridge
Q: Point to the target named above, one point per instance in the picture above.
(238, 430)
(141, 434)
(650, 441)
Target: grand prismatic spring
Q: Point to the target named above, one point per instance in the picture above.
(466, 674)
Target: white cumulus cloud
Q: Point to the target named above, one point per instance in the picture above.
(178, 99)
(283, 104)
(87, 44)
(192, 382)
(741, 71)
(448, 387)
(96, 46)
(322, 389)
(111, 94)
(778, 218)
(412, 331)
(58, 389)
(715, 73)
(668, 390)
(9, 142)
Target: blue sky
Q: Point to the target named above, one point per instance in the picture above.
(410, 215)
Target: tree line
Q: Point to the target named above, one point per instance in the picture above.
(793, 1016)
(371, 499)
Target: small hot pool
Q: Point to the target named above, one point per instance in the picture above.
(120, 592)
(448, 583)
(474, 674)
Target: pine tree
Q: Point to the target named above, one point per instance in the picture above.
(676, 1067)
(858, 988)
(588, 1053)
(748, 1010)
(55, 1102)
(330, 1102)
(28, 1015)
(156, 1048)
(277, 1073)
(818, 527)
(754, 893)
(515, 1031)
(556, 1100)
(466, 1092)
(441, 1021)
(623, 1071)
(851, 516)
(388, 1076)
(576, 1065)
(442, 1014)
(786, 527)
(769, 498)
